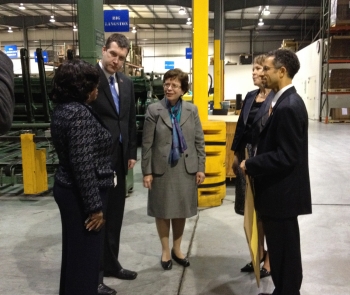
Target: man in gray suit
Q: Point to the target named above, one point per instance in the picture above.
(7, 97)
(115, 104)
(281, 172)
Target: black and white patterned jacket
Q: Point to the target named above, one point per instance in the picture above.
(83, 146)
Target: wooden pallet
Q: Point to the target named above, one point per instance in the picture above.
(339, 121)
(339, 90)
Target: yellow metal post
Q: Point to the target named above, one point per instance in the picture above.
(33, 166)
(200, 9)
(218, 75)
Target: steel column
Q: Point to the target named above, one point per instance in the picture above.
(200, 9)
(90, 30)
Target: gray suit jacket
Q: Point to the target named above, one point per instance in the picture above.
(157, 139)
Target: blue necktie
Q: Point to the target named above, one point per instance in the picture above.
(115, 98)
(114, 93)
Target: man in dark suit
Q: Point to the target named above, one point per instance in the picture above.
(115, 104)
(281, 172)
(7, 97)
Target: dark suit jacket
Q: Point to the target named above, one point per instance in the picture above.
(259, 120)
(125, 122)
(7, 96)
(157, 139)
(83, 145)
(280, 168)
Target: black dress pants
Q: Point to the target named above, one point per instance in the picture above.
(81, 249)
(283, 244)
(114, 219)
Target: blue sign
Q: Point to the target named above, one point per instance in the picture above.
(189, 53)
(11, 51)
(116, 20)
(169, 65)
(45, 56)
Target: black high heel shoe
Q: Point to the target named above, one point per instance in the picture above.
(249, 266)
(184, 262)
(167, 265)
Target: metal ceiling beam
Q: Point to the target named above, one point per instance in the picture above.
(230, 24)
(228, 4)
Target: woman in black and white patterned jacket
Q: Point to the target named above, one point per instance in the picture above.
(83, 145)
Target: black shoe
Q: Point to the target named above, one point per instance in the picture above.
(123, 274)
(184, 262)
(249, 266)
(102, 289)
(264, 273)
(167, 265)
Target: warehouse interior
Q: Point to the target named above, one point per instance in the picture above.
(214, 240)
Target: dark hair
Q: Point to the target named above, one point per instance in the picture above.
(285, 58)
(73, 81)
(259, 59)
(177, 74)
(120, 39)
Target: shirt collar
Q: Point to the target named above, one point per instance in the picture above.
(279, 93)
(106, 73)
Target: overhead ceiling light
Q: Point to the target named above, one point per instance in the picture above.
(21, 6)
(134, 30)
(75, 28)
(52, 19)
(10, 30)
(261, 22)
(266, 10)
(182, 11)
(189, 22)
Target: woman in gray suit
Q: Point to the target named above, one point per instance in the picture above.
(173, 163)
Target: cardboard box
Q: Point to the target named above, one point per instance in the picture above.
(340, 12)
(339, 47)
(340, 114)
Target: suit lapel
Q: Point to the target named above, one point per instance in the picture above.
(249, 103)
(164, 114)
(285, 94)
(264, 109)
(121, 86)
(185, 113)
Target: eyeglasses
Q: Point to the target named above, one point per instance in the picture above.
(266, 68)
(173, 86)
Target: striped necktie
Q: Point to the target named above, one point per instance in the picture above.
(114, 93)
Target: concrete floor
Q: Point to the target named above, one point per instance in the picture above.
(30, 237)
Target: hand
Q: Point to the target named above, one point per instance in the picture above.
(131, 163)
(147, 181)
(235, 165)
(200, 176)
(242, 166)
(95, 221)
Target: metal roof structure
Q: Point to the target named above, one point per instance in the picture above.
(298, 16)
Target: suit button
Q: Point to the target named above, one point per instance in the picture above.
(186, 155)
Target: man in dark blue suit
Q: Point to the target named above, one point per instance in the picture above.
(281, 172)
(115, 104)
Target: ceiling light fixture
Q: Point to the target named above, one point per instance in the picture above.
(21, 6)
(189, 22)
(75, 28)
(10, 30)
(134, 30)
(182, 11)
(266, 10)
(261, 22)
(52, 19)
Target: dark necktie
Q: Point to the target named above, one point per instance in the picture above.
(114, 93)
(115, 98)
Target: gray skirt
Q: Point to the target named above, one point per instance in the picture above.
(174, 193)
